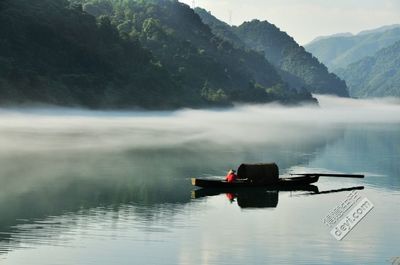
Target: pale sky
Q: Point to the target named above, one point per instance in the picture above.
(306, 19)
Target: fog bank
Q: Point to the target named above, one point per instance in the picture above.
(38, 129)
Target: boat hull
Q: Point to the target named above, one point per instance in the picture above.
(280, 184)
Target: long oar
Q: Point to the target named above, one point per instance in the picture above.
(330, 175)
(331, 191)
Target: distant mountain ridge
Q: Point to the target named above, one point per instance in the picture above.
(297, 67)
(379, 29)
(349, 34)
(375, 76)
(319, 38)
(339, 51)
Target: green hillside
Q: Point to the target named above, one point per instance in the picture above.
(220, 28)
(203, 63)
(296, 66)
(375, 76)
(56, 54)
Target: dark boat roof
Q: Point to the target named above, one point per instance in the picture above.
(260, 173)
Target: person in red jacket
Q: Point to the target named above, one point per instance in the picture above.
(231, 176)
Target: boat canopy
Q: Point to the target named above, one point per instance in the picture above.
(259, 173)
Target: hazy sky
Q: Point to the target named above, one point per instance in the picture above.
(307, 19)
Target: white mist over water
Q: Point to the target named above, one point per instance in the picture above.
(77, 129)
(82, 183)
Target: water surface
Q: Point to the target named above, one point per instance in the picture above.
(86, 187)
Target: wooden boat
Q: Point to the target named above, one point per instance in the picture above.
(280, 183)
(265, 175)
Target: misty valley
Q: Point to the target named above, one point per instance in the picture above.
(199, 132)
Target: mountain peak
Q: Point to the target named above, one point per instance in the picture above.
(319, 38)
(338, 52)
(257, 22)
(297, 67)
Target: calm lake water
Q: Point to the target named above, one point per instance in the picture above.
(85, 187)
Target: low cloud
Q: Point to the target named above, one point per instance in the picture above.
(71, 129)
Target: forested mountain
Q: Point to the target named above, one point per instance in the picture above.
(53, 53)
(375, 76)
(203, 63)
(125, 54)
(220, 28)
(291, 58)
(297, 67)
(339, 52)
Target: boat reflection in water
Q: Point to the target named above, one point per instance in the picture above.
(261, 197)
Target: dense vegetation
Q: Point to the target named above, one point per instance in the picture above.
(375, 76)
(53, 53)
(124, 54)
(339, 51)
(296, 66)
(203, 63)
(220, 28)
